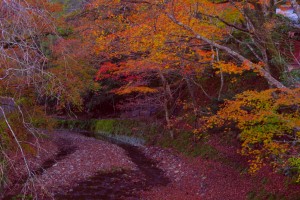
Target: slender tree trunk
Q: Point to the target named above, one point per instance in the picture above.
(191, 92)
(222, 77)
(167, 116)
(190, 88)
(221, 86)
(167, 97)
(166, 85)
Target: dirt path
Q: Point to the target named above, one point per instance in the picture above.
(77, 158)
(120, 184)
(88, 168)
(80, 167)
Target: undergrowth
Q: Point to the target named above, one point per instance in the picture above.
(153, 133)
(23, 135)
(125, 127)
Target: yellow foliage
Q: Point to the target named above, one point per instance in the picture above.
(230, 68)
(267, 122)
(132, 89)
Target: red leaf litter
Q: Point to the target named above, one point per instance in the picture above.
(191, 178)
(199, 178)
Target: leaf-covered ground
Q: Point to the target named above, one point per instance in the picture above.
(101, 169)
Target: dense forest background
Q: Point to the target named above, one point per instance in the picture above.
(174, 72)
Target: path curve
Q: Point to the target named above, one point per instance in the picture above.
(88, 168)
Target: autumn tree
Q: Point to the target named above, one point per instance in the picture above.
(38, 68)
(269, 126)
(244, 25)
(184, 38)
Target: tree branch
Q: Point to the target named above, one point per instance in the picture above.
(271, 80)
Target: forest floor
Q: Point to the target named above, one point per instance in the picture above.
(73, 166)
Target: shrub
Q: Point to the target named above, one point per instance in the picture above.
(269, 125)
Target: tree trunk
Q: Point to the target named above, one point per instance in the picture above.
(191, 91)
(167, 98)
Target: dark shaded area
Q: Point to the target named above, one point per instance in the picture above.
(120, 184)
(288, 109)
(114, 185)
(62, 154)
(66, 148)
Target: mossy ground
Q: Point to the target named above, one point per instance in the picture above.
(152, 133)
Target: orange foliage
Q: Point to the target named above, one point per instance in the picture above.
(269, 122)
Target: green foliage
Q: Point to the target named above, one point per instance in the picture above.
(105, 125)
(71, 5)
(65, 31)
(264, 195)
(295, 164)
(22, 197)
(289, 78)
(74, 124)
(185, 142)
(112, 126)
(205, 151)
(151, 132)
(39, 119)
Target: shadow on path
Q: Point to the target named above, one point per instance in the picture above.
(120, 183)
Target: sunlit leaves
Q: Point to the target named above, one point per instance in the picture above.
(132, 89)
(268, 121)
(230, 68)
